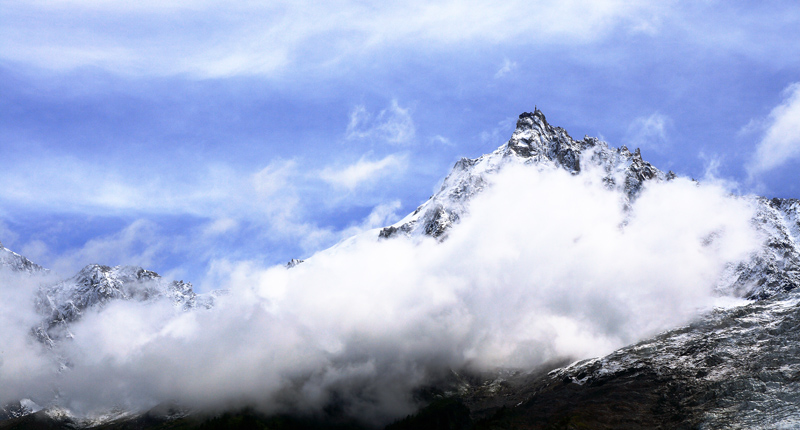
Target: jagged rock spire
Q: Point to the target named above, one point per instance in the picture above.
(534, 142)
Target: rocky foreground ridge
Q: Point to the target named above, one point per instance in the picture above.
(732, 368)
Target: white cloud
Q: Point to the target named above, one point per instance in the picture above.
(508, 67)
(649, 132)
(140, 243)
(265, 38)
(277, 204)
(363, 171)
(780, 142)
(37, 251)
(393, 125)
(712, 166)
(24, 364)
(70, 184)
(381, 216)
(441, 140)
(274, 178)
(369, 321)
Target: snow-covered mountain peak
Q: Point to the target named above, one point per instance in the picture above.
(537, 143)
(536, 139)
(95, 285)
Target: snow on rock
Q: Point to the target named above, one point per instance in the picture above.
(19, 409)
(775, 267)
(10, 260)
(96, 285)
(538, 144)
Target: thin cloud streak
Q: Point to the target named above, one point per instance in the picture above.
(508, 67)
(364, 171)
(269, 207)
(393, 125)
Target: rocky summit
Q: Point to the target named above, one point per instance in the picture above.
(736, 367)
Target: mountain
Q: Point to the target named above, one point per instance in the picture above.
(65, 302)
(535, 143)
(10, 260)
(95, 285)
(734, 367)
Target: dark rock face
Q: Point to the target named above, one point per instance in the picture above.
(535, 139)
(293, 263)
(737, 368)
(14, 410)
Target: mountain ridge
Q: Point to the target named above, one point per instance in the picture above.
(534, 142)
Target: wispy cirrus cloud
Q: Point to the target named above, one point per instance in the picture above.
(649, 132)
(507, 67)
(780, 142)
(363, 171)
(393, 125)
(282, 202)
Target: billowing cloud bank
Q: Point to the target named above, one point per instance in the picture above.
(547, 265)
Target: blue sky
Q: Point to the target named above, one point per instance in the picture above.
(186, 135)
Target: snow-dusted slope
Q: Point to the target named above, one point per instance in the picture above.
(737, 368)
(775, 267)
(10, 260)
(18, 409)
(95, 285)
